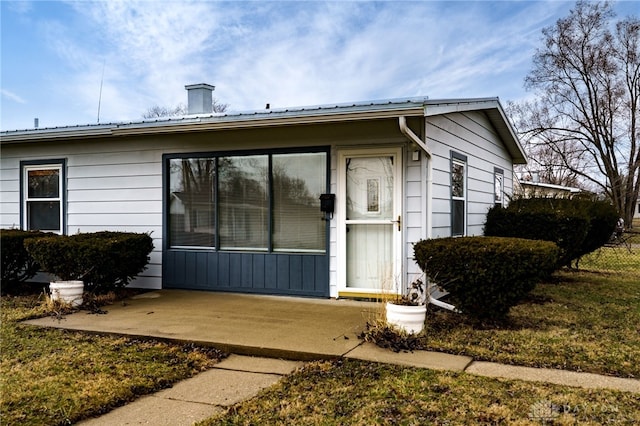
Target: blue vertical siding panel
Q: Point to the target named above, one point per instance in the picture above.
(246, 270)
(309, 273)
(168, 269)
(223, 270)
(181, 268)
(271, 272)
(190, 269)
(235, 270)
(322, 274)
(258, 271)
(283, 272)
(201, 269)
(295, 272)
(212, 271)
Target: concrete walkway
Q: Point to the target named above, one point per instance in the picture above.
(270, 336)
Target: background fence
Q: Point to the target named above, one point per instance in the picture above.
(621, 254)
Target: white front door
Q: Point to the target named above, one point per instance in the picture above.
(369, 221)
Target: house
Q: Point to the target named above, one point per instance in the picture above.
(321, 201)
(529, 185)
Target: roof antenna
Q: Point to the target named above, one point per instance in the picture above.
(100, 96)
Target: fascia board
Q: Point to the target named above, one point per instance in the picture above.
(241, 122)
(61, 133)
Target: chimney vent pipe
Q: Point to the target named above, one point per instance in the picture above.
(200, 99)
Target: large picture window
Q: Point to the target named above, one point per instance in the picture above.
(260, 202)
(42, 193)
(458, 194)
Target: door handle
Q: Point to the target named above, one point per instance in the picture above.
(399, 222)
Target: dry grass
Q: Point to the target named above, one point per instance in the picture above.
(361, 393)
(585, 321)
(50, 376)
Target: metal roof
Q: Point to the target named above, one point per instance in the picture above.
(352, 111)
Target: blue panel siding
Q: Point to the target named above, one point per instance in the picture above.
(271, 272)
(266, 273)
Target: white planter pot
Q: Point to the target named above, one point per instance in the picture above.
(67, 291)
(407, 318)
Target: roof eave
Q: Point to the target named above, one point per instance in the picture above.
(216, 122)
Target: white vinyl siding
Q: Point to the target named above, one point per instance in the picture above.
(109, 186)
(117, 183)
(472, 135)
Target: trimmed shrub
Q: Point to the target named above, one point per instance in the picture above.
(103, 260)
(486, 276)
(603, 218)
(17, 264)
(577, 226)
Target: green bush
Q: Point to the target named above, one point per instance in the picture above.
(103, 260)
(486, 276)
(17, 265)
(603, 219)
(578, 226)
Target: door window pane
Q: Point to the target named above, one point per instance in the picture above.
(369, 256)
(370, 188)
(192, 202)
(298, 181)
(244, 202)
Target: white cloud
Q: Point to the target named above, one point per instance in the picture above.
(12, 96)
(288, 53)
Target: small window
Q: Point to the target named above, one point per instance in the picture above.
(42, 196)
(458, 194)
(498, 186)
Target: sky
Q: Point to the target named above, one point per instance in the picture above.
(84, 62)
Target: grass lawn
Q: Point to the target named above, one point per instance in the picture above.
(584, 321)
(55, 377)
(348, 392)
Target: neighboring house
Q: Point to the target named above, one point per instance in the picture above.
(232, 200)
(532, 188)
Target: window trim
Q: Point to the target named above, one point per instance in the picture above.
(219, 154)
(55, 163)
(457, 158)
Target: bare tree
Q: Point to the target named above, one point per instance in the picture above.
(157, 111)
(587, 82)
(555, 162)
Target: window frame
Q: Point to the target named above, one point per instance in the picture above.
(216, 155)
(458, 159)
(50, 164)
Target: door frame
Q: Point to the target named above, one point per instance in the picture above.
(398, 235)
